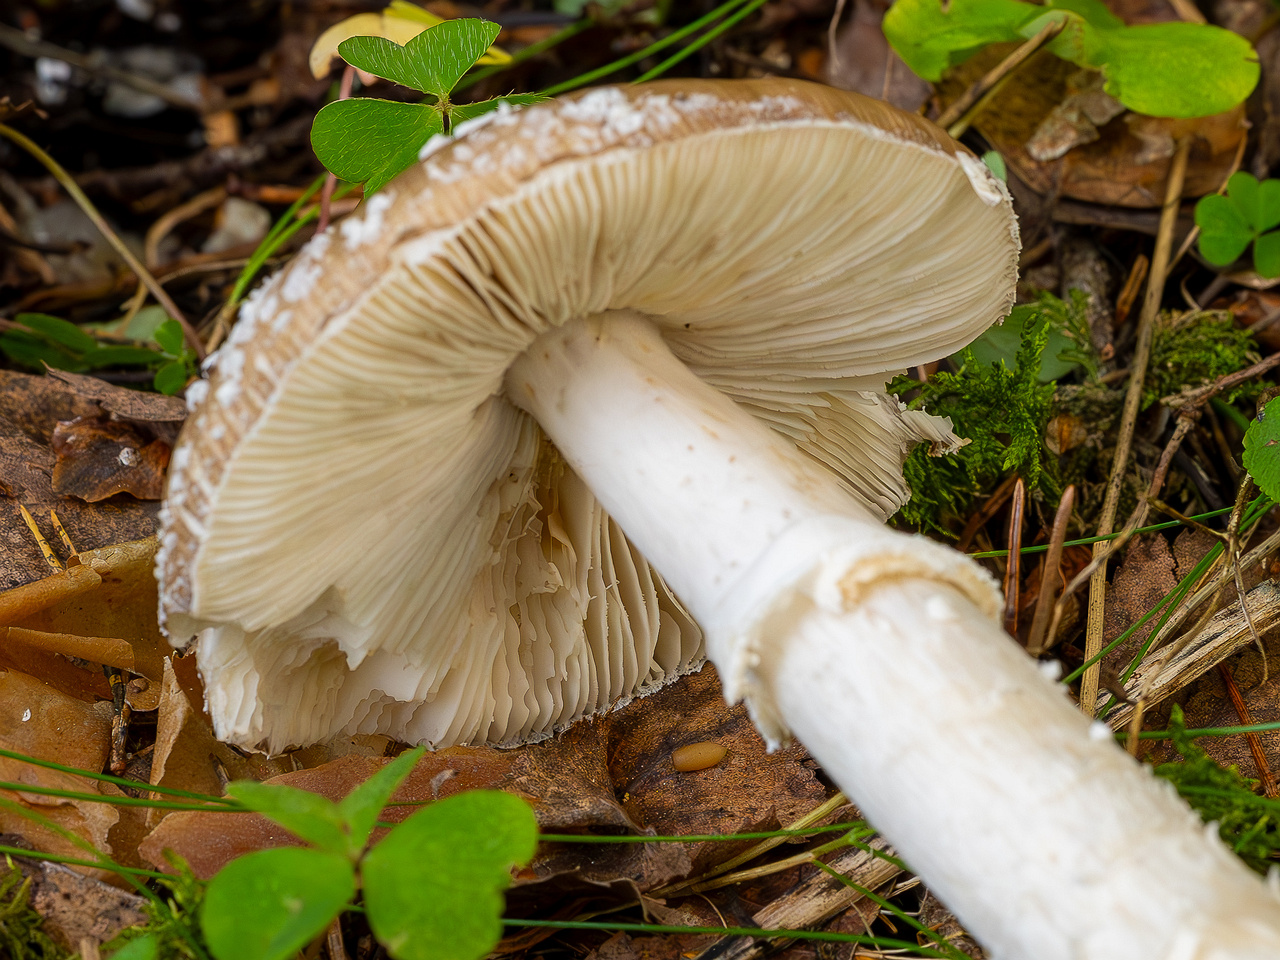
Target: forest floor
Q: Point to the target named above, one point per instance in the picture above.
(186, 124)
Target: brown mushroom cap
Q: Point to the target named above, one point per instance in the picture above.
(372, 538)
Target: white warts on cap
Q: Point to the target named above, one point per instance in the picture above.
(358, 232)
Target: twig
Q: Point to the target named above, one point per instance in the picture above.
(161, 228)
(1129, 293)
(1132, 400)
(1200, 649)
(1013, 567)
(957, 117)
(1233, 552)
(832, 54)
(811, 902)
(1194, 398)
(1194, 232)
(18, 42)
(1269, 786)
(333, 940)
(1037, 642)
(85, 204)
(994, 503)
(837, 801)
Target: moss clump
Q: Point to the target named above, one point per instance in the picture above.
(1194, 348)
(1001, 408)
(21, 934)
(1247, 823)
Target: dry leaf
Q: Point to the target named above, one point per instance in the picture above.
(98, 458)
(1128, 163)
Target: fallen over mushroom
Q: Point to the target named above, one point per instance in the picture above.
(667, 310)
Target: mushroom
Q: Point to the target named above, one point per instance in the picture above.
(422, 489)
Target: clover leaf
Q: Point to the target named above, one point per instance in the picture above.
(1245, 215)
(1262, 450)
(1165, 69)
(369, 141)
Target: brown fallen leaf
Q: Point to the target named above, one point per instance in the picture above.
(30, 410)
(565, 781)
(111, 594)
(1142, 581)
(609, 775)
(38, 721)
(98, 458)
(749, 790)
(1128, 162)
(75, 907)
(124, 403)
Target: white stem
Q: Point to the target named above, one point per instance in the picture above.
(882, 652)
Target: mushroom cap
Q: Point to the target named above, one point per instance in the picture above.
(370, 538)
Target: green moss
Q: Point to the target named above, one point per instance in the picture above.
(1247, 823)
(172, 931)
(21, 934)
(1195, 348)
(1001, 408)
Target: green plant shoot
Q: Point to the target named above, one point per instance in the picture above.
(369, 141)
(179, 364)
(1245, 215)
(432, 887)
(39, 340)
(1160, 69)
(1262, 450)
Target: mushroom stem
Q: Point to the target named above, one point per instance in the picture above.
(882, 652)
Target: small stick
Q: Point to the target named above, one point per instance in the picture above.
(119, 720)
(1037, 642)
(1269, 786)
(1013, 569)
(46, 551)
(1133, 397)
(1135, 726)
(1194, 232)
(333, 940)
(185, 211)
(1194, 398)
(957, 117)
(72, 552)
(832, 52)
(994, 503)
(835, 802)
(331, 181)
(1129, 293)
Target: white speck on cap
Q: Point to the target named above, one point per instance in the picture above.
(1099, 731)
(197, 390)
(359, 231)
(306, 270)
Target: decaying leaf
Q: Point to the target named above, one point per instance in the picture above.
(39, 721)
(400, 22)
(108, 595)
(30, 410)
(1128, 162)
(75, 907)
(1143, 579)
(98, 458)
